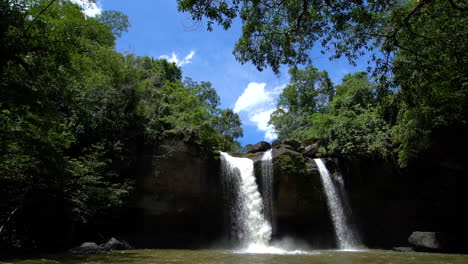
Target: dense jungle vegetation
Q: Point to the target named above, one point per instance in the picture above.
(414, 96)
(74, 112)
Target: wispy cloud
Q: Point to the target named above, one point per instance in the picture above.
(175, 58)
(90, 9)
(258, 104)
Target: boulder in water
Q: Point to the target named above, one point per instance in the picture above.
(89, 248)
(426, 241)
(115, 244)
(259, 147)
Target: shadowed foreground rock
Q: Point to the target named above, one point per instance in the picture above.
(89, 248)
(93, 248)
(425, 240)
(115, 244)
(438, 242)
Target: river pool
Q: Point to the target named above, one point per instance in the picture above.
(233, 257)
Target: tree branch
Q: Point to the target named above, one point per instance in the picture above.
(9, 218)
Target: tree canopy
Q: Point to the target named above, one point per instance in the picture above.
(418, 49)
(73, 113)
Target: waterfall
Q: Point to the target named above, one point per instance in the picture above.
(347, 237)
(248, 222)
(267, 186)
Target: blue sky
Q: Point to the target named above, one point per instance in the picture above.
(159, 31)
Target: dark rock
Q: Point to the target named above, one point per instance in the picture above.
(425, 240)
(89, 248)
(249, 148)
(259, 147)
(293, 143)
(284, 150)
(185, 184)
(115, 244)
(311, 150)
(403, 249)
(298, 199)
(301, 149)
(445, 242)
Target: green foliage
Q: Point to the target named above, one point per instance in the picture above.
(284, 32)
(419, 52)
(430, 68)
(74, 113)
(89, 187)
(346, 123)
(116, 21)
(309, 91)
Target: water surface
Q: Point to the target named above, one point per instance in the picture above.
(231, 257)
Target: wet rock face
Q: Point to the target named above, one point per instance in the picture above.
(179, 197)
(298, 201)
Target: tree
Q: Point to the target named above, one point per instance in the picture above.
(204, 92)
(49, 50)
(74, 115)
(346, 123)
(430, 70)
(309, 91)
(228, 124)
(283, 32)
(418, 49)
(356, 92)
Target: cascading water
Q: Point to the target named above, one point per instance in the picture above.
(249, 225)
(247, 222)
(347, 237)
(267, 186)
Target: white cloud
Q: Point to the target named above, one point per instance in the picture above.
(261, 120)
(271, 135)
(174, 58)
(259, 103)
(89, 8)
(253, 96)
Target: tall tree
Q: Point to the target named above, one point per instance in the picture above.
(309, 91)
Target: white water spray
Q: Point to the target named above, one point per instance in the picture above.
(347, 238)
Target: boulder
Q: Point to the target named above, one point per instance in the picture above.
(259, 147)
(284, 150)
(425, 241)
(293, 143)
(290, 143)
(311, 150)
(277, 143)
(89, 248)
(115, 244)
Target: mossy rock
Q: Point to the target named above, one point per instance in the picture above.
(300, 171)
